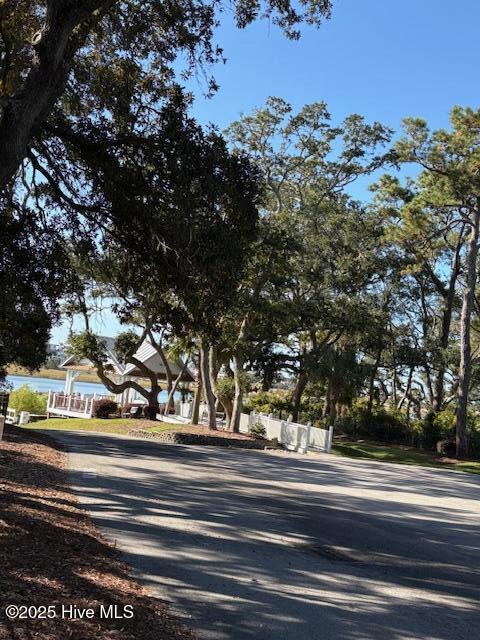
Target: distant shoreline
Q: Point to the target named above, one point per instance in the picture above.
(58, 374)
(52, 374)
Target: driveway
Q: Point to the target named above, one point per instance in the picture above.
(276, 546)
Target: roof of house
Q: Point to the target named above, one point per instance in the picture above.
(146, 353)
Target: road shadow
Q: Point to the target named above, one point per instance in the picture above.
(263, 545)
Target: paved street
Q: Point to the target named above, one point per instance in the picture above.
(277, 546)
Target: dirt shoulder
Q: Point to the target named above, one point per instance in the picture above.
(52, 554)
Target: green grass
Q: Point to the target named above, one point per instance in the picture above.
(399, 455)
(112, 425)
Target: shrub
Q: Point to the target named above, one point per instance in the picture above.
(387, 426)
(26, 399)
(474, 443)
(104, 407)
(258, 431)
(381, 425)
(436, 427)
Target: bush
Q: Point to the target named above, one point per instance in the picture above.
(258, 431)
(440, 426)
(104, 407)
(381, 425)
(26, 399)
(474, 443)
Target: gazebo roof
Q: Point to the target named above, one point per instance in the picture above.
(150, 357)
(146, 353)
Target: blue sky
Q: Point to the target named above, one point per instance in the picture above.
(383, 59)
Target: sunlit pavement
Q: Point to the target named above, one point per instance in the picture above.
(247, 544)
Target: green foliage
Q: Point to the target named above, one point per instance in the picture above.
(279, 404)
(103, 408)
(258, 431)
(26, 399)
(268, 402)
(87, 345)
(126, 344)
(444, 420)
(311, 410)
(225, 387)
(381, 425)
(33, 274)
(52, 362)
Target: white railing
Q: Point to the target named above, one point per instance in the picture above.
(70, 405)
(183, 409)
(11, 416)
(295, 437)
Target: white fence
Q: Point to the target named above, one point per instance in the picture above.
(183, 409)
(295, 437)
(72, 405)
(61, 404)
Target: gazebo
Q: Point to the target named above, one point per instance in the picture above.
(80, 405)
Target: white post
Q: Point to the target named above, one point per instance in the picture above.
(309, 430)
(269, 424)
(66, 388)
(329, 439)
(24, 418)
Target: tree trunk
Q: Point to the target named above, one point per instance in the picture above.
(207, 386)
(333, 408)
(238, 362)
(174, 387)
(394, 386)
(448, 295)
(297, 394)
(166, 365)
(328, 394)
(268, 377)
(227, 405)
(407, 389)
(151, 395)
(197, 392)
(465, 369)
(238, 397)
(439, 387)
(152, 409)
(371, 386)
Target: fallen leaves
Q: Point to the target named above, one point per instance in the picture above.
(52, 554)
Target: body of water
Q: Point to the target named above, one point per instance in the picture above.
(44, 385)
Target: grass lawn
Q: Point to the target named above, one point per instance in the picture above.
(401, 455)
(112, 425)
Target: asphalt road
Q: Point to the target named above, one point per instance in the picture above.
(277, 546)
